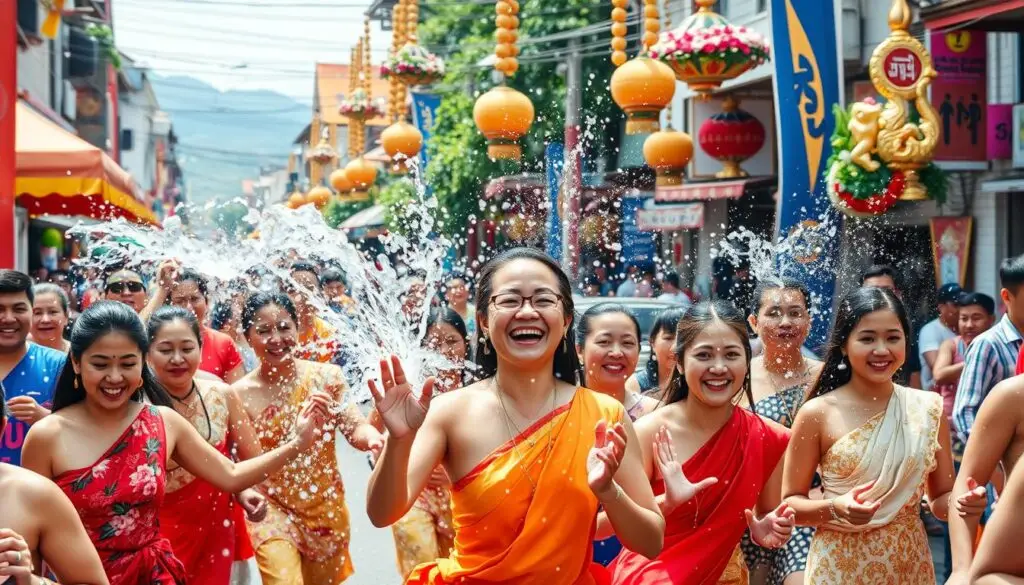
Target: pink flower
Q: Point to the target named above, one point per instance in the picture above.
(708, 48)
(144, 478)
(686, 47)
(746, 50)
(125, 523)
(100, 469)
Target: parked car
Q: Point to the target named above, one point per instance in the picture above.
(646, 311)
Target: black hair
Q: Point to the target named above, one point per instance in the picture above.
(13, 282)
(47, 288)
(975, 298)
(671, 278)
(188, 274)
(583, 330)
(1011, 273)
(221, 315)
(878, 270)
(855, 305)
(775, 283)
(165, 315)
(103, 318)
(667, 320)
(567, 362)
(332, 275)
(304, 266)
(448, 316)
(257, 301)
(696, 319)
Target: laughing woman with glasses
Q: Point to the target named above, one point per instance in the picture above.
(516, 444)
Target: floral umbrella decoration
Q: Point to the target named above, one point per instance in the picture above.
(706, 50)
(360, 106)
(413, 65)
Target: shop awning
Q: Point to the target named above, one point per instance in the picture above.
(58, 173)
(368, 223)
(1005, 185)
(707, 190)
(988, 15)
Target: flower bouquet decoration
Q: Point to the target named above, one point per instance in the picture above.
(413, 65)
(706, 50)
(359, 106)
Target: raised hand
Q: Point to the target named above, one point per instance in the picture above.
(254, 504)
(853, 507)
(166, 273)
(15, 558)
(604, 460)
(26, 409)
(678, 489)
(973, 502)
(316, 410)
(402, 412)
(774, 529)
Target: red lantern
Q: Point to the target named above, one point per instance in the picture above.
(731, 137)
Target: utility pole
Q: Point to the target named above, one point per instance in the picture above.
(573, 177)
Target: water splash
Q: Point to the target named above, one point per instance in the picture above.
(376, 327)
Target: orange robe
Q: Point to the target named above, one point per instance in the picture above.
(504, 533)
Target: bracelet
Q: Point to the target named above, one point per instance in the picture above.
(618, 493)
(832, 510)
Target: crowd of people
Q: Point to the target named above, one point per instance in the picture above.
(158, 428)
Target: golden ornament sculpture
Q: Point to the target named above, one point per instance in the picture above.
(901, 70)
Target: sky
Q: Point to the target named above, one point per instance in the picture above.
(233, 44)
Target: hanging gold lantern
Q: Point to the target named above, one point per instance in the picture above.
(319, 196)
(503, 115)
(340, 182)
(642, 87)
(668, 152)
(322, 153)
(361, 172)
(296, 200)
(402, 142)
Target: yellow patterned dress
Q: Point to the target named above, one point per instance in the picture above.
(896, 552)
(304, 538)
(425, 532)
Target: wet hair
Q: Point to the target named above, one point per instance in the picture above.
(100, 319)
(878, 270)
(671, 278)
(166, 315)
(778, 283)
(221, 315)
(855, 305)
(567, 362)
(448, 316)
(303, 266)
(975, 298)
(332, 275)
(189, 274)
(257, 301)
(697, 318)
(1011, 273)
(584, 328)
(51, 289)
(14, 282)
(667, 320)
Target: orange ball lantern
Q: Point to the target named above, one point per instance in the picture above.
(668, 152)
(402, 141)
(361, 172)
(642, 87)
(503, 115)
(296, 200)
(319, 196)
(340, 182)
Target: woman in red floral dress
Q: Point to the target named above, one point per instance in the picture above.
(109, 451)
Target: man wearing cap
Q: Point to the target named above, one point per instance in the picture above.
(938, 330)
(127, 287)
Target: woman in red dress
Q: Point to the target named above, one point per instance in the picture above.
(109, 451)
(205, 525)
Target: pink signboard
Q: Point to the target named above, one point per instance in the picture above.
(1000, 131)
(959, 94)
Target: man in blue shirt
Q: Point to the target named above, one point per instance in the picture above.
(29, 371)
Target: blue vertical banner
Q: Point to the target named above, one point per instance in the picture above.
(638, 247)
(808, 80)
(554, 164)
(424, 114)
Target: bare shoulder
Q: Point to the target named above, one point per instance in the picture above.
(39, 491)
(454, 400)
(246, 383)
(1007, 396)
(49, 428)
(815, 409)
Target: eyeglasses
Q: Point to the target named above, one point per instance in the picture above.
(514, 301)
(118, 287)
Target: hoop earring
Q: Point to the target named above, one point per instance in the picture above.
(842, 364)
(76, 382)
(487, 347)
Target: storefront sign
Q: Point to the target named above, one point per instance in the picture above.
(1017, 129)
(1000, 135)
(951, 243)
(637, 246)
(670, 218)
(960, 94)
(807, 82)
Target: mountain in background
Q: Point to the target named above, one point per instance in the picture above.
(224, 136)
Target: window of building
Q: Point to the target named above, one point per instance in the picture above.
(762, 6)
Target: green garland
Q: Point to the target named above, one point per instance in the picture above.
(935, 182)
(855, 180)
(105, 37)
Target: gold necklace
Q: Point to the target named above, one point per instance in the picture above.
(509, 424)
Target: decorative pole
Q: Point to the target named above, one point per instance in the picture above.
(667, 151)
(503, 114)
(642, 86)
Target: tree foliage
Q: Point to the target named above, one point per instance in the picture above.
(459, 167)
(336, 211)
